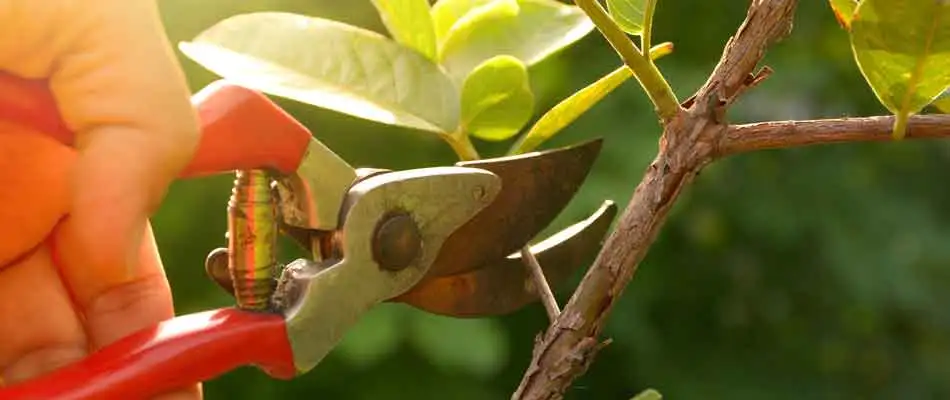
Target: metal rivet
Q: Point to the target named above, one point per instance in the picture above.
(397, 242)
(216, 266)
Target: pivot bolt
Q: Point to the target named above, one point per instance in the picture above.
(397, 242)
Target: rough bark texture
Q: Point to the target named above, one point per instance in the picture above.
(785, 134)
(689, 142)
(696, 136)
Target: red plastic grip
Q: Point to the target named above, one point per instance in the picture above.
(243, 129)
(240, 128)
(168, 356)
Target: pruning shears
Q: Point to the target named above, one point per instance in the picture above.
(444, 240)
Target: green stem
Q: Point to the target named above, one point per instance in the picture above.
(650, 78)
(462, 145)
(647, 27)
(900, 125)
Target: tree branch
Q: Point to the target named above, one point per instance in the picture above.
(688, 143)
(785, 134)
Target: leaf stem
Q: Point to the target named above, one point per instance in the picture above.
(647, 28)
(650, 78)
(900, 124)
(462, 145)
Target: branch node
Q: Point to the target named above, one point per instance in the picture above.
(691, 137)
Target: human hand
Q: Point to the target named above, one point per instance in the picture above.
(78, 264)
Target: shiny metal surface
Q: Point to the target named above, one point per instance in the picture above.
(506, 285)
(324, 300)
(311, 197)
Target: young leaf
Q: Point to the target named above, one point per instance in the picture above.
(331, 65)
(942, 103)
(530, 30)
(903, 49)
(628, 14)
(445, 13)
(844, 11)
(409, 23)
(571, 108)
(496, 99)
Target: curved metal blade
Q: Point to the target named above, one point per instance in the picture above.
(506, 286)
(535, 189)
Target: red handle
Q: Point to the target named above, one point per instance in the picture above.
(168, 356)
(243, 129)
(240, 128)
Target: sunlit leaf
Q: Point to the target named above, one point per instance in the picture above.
(903, 49)
(571, 108)
(446, 13)
(409, 23)
(844, 11)
(649, 394)
(530, 30)
(496, 99)
(331, 65)
(474, 346)
(568, 110)
(942, 103)
(628, 14)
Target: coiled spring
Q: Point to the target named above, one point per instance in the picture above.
(252, 239)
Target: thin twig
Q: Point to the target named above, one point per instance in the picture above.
(689, 141)
(461, 143)
(541, 285)
(786, 134)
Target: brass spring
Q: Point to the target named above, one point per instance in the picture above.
(252, 239)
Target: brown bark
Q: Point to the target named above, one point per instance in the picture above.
(785, 134)
(688, 142)
(697, 136)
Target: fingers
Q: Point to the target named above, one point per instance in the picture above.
(121, 90)
(118, 86)
(116, 311)
(38, 324)
(33, 175)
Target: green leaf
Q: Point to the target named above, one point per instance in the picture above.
(628, 14)
(409, 23)
(942, 103)
(649, 394)
(476, 346)
(496, 99)
(568, 110)
(530, 30)
(903, 49)
(844, 11)
(445, 13)
(331, 65)
(571, 108)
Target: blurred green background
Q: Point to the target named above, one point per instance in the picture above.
(816, 273)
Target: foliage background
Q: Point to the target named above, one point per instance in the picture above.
(816, 273)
